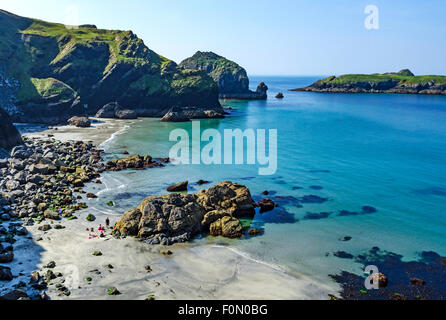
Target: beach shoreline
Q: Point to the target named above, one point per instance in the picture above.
(190, 272)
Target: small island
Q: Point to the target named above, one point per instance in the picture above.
(403, 81)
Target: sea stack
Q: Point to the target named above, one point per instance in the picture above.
(231, 78)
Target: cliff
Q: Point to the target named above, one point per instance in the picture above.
(400, 82)
(54, 72)
(232, 79)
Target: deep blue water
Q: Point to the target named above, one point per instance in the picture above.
(382, 150)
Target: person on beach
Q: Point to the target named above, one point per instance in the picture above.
(107, 222)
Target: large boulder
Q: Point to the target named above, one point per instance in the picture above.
(113, 110)
(228, 227)
(80, 122)
(9, 136)
(227, 196)
(164, 219)
(177, 217)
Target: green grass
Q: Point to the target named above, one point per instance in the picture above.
(355, 78)
(51, 87)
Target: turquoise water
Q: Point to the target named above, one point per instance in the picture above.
(386, 151)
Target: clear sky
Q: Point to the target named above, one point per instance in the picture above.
(281, 37)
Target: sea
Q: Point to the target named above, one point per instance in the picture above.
(354, 171)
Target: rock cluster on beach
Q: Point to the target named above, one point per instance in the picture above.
(39, 177)
(37, 185)
(134, 162)
(177, 217)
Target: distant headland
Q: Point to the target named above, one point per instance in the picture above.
(403, 81)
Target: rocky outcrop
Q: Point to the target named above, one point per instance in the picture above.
(232, 79)
(113, 110)
(80, 122)
(179, 187)
(399, 82)
(9, 136)
(187, 114)
(75, 72)
(177, 217)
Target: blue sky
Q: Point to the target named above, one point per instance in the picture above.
(281, 37)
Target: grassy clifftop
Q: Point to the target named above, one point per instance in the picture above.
(51, 60)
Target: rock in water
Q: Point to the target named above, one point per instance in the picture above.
(9, 136)
(113, 110)
(279, 95)
(179, 187)
(176, 217)
(80, 122)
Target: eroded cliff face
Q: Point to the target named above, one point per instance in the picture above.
(9, 136)
(64, 72)
(231, 78)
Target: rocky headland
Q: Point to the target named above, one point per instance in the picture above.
(231, 78)
(403, 81)
(50, 73)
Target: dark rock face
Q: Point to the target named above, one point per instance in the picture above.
(176, 217)
(232, 79)
(113, 110)
(9, 136)
(65, 73)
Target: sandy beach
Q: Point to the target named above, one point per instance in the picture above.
(100, 131)
(140, 270)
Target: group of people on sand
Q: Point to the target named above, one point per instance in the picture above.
(101, 229)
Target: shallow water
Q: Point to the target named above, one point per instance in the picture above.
(381, 150)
